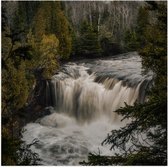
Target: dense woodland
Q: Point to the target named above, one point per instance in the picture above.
(38, 36)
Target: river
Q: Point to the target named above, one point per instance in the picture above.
(84, 96)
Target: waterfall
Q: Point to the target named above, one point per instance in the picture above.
(84, 96)
(83, 92)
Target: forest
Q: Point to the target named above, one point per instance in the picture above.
(40, 37)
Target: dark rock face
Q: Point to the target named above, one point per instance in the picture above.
(41, 94)
(38, 101)
(30, 114)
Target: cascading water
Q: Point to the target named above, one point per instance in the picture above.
(85, 95)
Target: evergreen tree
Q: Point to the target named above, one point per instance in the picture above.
(135, 37)
(89, 44)
(50, 19)
(142, 24)
(131, 41)
(15, 89)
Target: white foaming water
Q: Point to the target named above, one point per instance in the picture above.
(65, 142)
(85, 96)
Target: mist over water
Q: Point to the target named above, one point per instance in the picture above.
(85, 95)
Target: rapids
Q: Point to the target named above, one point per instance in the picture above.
(84, 96)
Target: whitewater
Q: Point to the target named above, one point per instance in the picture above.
(83, 96)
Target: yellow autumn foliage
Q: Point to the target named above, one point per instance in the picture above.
(49, 54)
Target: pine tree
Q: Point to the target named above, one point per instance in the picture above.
(50, 19)
(89, 44)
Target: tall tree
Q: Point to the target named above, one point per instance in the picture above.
(142, 24)
(89, 44)
(15, 90)
(50, 19)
